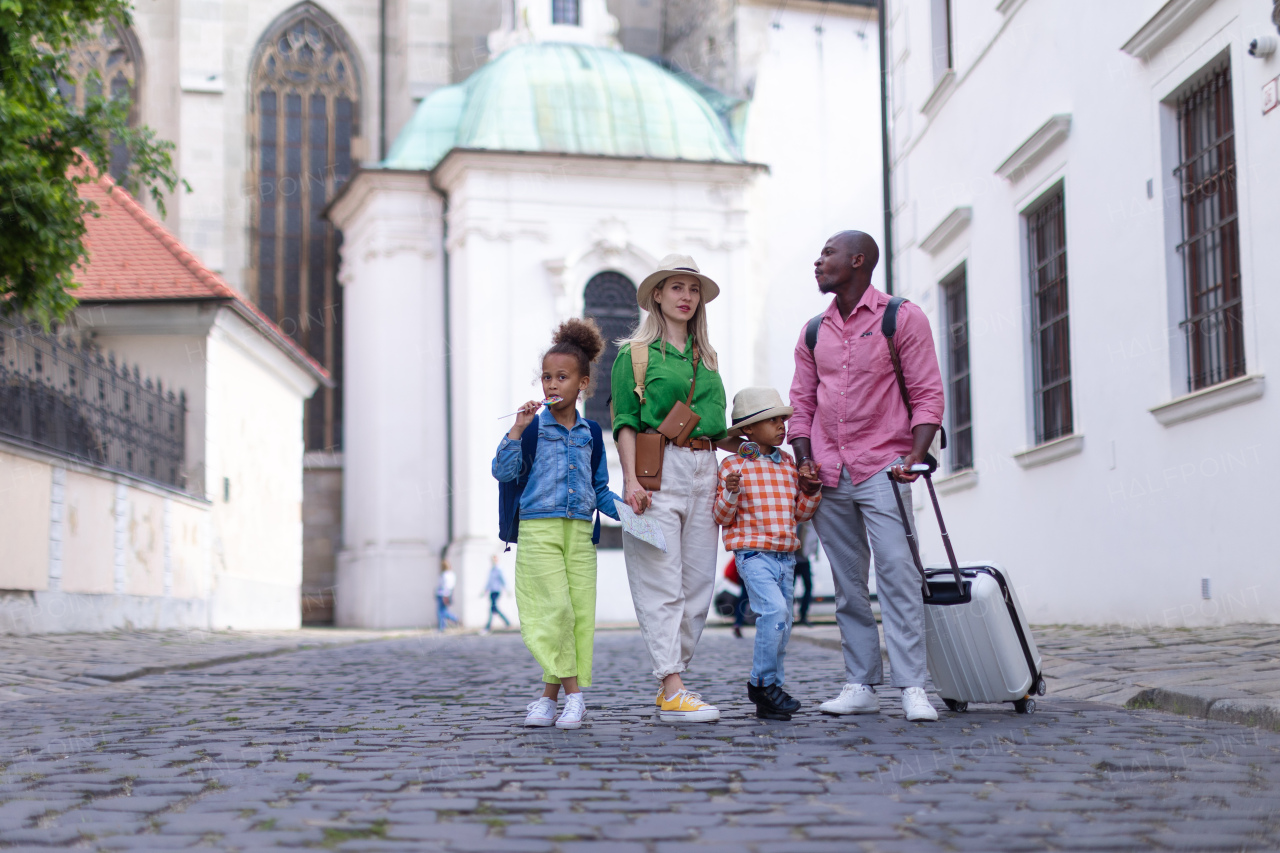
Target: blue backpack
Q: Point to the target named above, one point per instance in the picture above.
(509, 493)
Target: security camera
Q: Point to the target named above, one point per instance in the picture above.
(1262, 47)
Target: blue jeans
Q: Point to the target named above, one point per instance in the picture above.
(769, 577)
(443, 614)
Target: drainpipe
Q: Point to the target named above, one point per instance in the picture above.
(884, 146)
(448, 356)
(382, 80)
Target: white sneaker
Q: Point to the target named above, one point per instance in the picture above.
(916, 705)
(542, 712)
(853, 699)
(575, 708)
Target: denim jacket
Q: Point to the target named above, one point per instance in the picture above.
(560, 484)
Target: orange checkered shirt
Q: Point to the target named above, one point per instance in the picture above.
(762, 515)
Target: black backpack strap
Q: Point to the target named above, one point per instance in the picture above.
(597, 454)
(811, 331)
(888, 328)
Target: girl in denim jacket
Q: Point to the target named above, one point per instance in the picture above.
(555, 557)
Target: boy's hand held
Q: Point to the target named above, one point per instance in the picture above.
(809, 482)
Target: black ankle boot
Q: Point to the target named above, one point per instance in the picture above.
(766, 707)
(782, 698)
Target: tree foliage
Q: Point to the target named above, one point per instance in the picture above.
(43, 139)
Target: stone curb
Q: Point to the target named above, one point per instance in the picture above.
(1258, 713)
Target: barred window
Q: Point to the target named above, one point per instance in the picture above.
(303, 119)
(105, 62)
(1210, 245)
(1050, 343)
(565, 12)
(610, 300)
(960, 446)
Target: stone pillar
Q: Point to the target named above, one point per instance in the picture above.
(395, 481)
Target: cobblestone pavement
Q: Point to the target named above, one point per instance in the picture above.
(416, 745)
(62, 663)
(1229, 673)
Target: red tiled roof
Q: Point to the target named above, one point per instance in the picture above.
(133, 258)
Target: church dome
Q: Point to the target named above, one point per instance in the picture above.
(568, 99)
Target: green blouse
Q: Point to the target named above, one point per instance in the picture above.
(667, 381)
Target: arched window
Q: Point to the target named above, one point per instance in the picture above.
(303, 117)
(610, 300)
(108, 61)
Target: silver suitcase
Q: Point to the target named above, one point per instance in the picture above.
(977, 640)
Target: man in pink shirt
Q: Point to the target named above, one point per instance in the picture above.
(850, 419)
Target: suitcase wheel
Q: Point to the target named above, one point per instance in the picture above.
(1040, 687)
(956, 706)
(1025, 706)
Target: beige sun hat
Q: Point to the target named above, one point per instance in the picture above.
(676, 265)
(752, 405)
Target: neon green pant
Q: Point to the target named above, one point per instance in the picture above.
(556, 594)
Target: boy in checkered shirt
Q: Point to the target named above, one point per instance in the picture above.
(760, 500)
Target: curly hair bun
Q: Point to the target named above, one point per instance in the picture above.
(581, 334)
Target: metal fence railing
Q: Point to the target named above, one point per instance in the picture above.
(72, 399)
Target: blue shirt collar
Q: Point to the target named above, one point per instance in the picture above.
(775, 456)
(547, 419)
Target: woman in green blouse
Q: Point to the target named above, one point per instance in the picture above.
(672, 589)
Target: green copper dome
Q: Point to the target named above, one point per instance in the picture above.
(570, 99)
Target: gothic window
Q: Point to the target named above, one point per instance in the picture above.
(105, 62)
(303, 120)
(610, 300)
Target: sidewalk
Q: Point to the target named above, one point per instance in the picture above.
(38, 665)
(1229, 673)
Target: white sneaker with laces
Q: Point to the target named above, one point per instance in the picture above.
(853, 699)
(542, 712)
(916, 705)
(575, 708)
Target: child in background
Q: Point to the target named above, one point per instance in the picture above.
(760, 499)
(556, 555)
(494, 589)
(444, 597)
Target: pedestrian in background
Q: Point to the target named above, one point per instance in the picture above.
(804, 568)
(494, 589)
(567, 483)
(444, 597)
(742, 605)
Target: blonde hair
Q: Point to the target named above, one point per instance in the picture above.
(653, 328)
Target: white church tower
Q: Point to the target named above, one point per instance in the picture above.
(542, 187)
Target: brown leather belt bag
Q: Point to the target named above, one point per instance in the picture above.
(676, 427)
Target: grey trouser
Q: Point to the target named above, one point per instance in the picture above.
(848, 516)
(671, 590)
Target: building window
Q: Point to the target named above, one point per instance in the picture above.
(610, 300)
(943, 58)
(107, 62)
(304, 116)
(565, 12)
(1050, 344)
(959, 406)
(1210, 245)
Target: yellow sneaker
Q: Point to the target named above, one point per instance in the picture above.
(662, 694)
(687, 707)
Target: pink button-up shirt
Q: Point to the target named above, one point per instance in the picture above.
(846, 396)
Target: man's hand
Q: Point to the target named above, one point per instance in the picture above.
(731, 481)
(809, 482)
(921, 437)
(901, 472)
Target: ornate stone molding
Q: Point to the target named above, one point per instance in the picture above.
(946, 85)
(1206, 401)
(946, 230)
(956, 482)
(1047, 137)
(1163, 27)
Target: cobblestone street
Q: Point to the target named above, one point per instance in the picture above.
(416, 744)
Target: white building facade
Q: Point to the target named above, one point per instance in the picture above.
(1082, 198)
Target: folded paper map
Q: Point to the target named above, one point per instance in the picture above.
(641, 527)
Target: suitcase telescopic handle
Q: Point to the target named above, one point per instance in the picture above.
(926, 470)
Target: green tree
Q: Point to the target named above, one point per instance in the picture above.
(42, 141)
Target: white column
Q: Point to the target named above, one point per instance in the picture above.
(395, 482)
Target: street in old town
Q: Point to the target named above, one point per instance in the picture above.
(413, 742)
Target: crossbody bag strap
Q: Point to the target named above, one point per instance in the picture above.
(697, 358)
